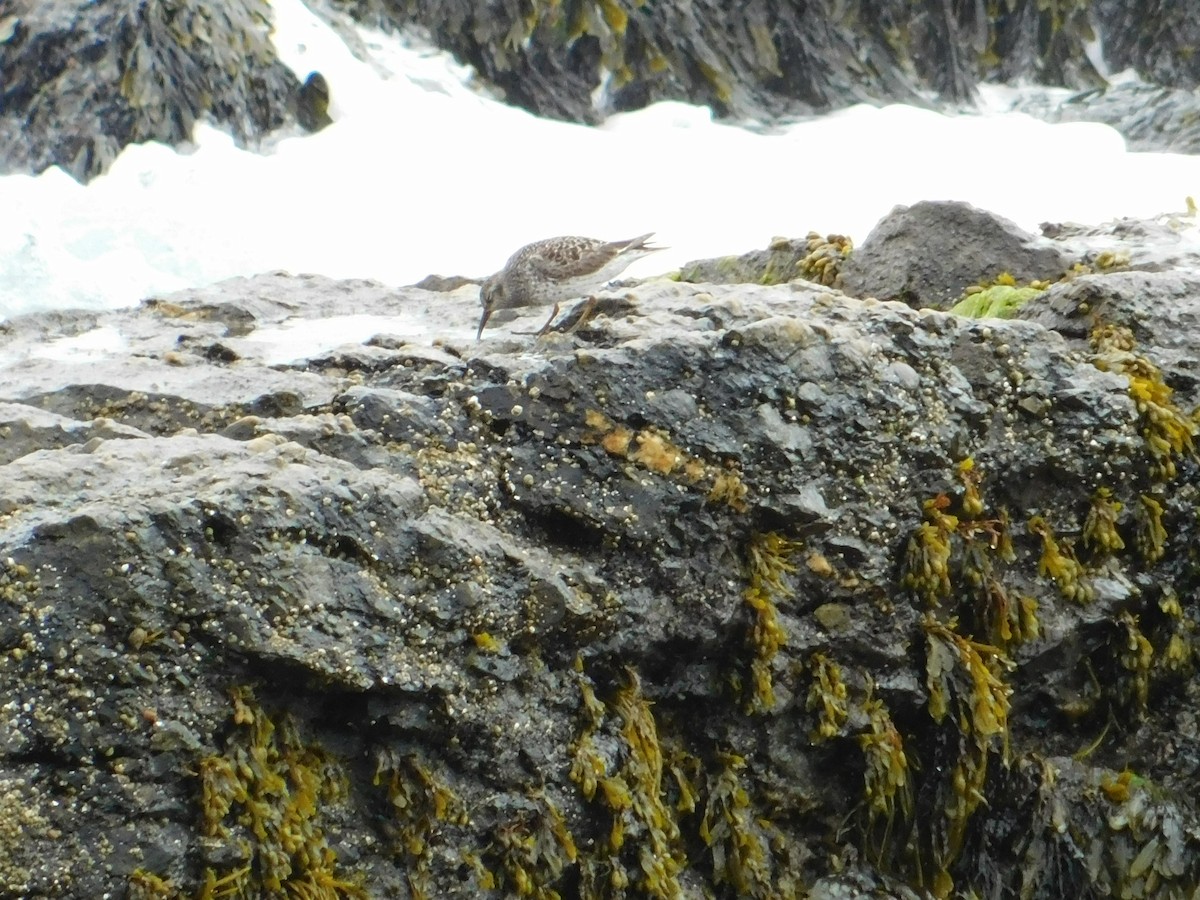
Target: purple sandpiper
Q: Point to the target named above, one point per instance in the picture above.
(558, 269)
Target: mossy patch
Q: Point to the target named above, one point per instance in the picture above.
(1000, 301)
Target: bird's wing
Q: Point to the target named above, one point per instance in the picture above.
(572, 257)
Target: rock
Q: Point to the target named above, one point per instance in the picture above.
(1161, 309)
(1149, 117)
(312, 103)
(734, 573)
(928, 254)
(1155, 41)
(444, 283)
(82, 80)
(775, 265)
(760, 62)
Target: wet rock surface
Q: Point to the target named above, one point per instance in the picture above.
(740, 590)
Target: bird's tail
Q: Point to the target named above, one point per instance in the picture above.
(637, 243)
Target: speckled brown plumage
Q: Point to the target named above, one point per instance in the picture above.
(558, 269)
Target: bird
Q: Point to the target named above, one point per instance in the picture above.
(557, 269)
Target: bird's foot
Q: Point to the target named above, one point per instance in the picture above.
(585, 312)
(546, 327)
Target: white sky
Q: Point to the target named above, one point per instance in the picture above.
(421, 174)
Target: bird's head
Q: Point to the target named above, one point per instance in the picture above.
(491, 296)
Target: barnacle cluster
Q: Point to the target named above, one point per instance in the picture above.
(654, 451)
(823, 262)
(265, 795)
(16, 580)
(768, 562)
(1166, 429)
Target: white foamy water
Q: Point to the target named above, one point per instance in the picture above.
(421, 173)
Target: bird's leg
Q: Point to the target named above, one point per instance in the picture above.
(546, 327)
(589, 307)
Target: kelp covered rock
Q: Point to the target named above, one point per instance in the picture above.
(738, 591)
(80, 81)
(758, 59)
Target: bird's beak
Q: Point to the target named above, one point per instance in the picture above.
(487, 314)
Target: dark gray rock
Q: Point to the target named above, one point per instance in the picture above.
(928, 254)
(79, 81)
(760, 61)
(1154, 39)
(662, 598)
